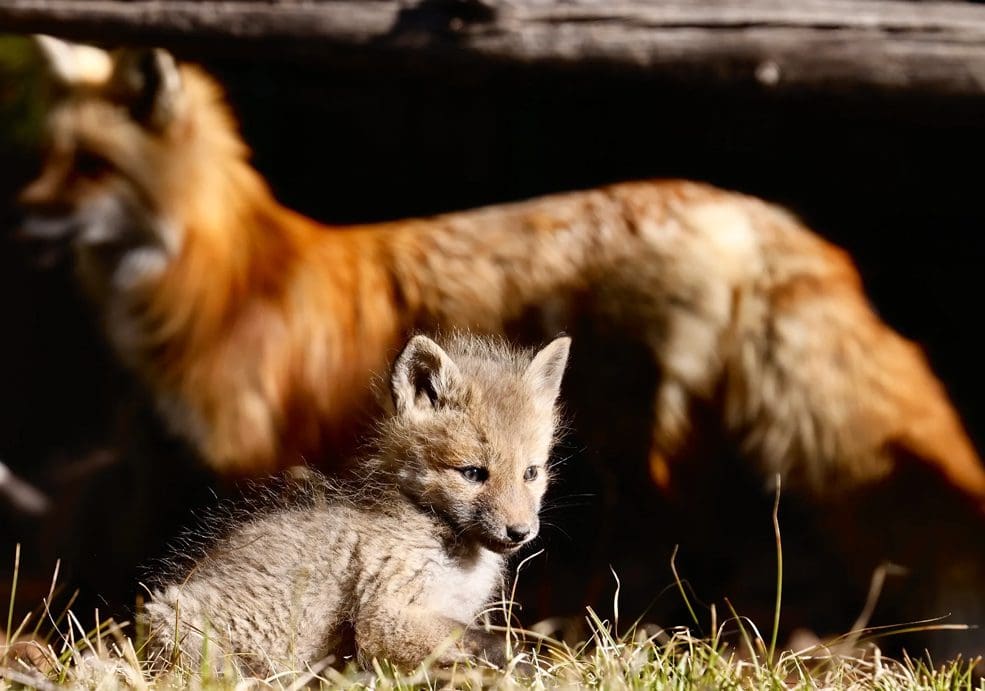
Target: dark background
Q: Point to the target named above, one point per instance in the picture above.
(895, 178)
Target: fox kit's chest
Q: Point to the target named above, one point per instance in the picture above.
(459, 588)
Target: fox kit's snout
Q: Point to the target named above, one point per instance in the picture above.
(408, 555)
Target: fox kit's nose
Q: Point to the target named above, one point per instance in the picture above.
(517, 533)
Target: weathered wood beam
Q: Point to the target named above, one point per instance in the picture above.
(829, 45)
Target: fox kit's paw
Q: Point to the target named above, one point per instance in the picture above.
(486, 645)
(521, 668)
(492, 648)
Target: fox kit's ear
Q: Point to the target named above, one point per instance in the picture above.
(73, 64)
(545, 371)
(148, 83)
(422, 375)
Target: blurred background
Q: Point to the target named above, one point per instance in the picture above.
(424, 118)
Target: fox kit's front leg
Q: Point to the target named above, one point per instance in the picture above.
(412, 635)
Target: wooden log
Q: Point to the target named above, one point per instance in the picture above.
(826, 45)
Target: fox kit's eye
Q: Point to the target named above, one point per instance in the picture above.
(474, 473)
(531, 473)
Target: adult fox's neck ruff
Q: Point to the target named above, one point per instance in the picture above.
(258, 329)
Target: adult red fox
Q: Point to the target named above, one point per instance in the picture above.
(258, 330)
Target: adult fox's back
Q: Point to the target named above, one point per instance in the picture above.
(258, 330)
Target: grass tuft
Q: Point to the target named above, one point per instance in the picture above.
(104, 657)
(640, 657)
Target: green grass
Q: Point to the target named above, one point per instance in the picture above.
(105, 658)
(735, 656)
(22, 97)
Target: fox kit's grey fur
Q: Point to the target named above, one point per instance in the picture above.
(402, 563)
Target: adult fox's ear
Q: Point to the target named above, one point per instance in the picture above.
(545, 371)
(73, 64)
(423, 376)
(147, 81)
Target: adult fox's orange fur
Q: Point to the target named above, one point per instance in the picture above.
(257, 329)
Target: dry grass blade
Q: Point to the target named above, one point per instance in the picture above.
(105, 657)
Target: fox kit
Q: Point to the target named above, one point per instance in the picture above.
(256, 328)
(412, 556)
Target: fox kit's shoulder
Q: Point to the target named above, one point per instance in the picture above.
(407, 553)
